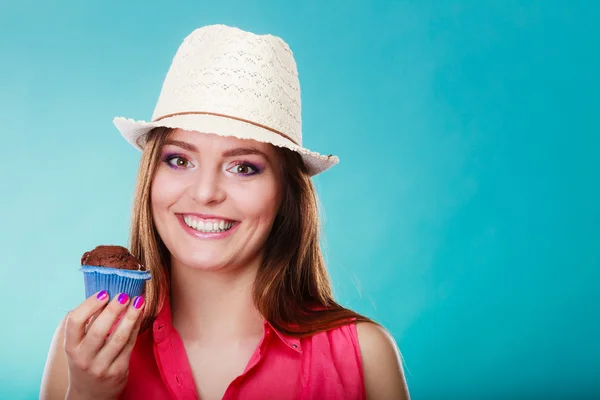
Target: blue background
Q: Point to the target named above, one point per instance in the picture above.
(464, 215)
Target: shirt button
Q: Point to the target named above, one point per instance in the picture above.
(295, 346)
(178, 380)
(160, 327)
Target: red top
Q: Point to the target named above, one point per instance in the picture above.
(325, 366)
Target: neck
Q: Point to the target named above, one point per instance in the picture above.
(214, 306)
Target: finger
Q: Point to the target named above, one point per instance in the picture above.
(92, 319)
(123, 331)
(77, 319)
(96, 335)
(121, 362)
(112, 328)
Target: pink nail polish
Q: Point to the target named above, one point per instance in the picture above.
(138, 302)
(123, 298)
(102, 295)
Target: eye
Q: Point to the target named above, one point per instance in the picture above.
(244, 169)
(177, 162)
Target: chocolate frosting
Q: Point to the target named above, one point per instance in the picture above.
(112, 257)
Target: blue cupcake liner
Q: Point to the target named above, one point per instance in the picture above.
(113, 280)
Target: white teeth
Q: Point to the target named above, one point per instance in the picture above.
(210, 227)
(190, 222)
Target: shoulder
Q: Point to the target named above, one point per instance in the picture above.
(382, 366)
(374, 338)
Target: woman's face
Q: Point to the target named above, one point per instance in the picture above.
(214, 199)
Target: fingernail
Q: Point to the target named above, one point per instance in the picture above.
(123, 298)
(138, 302)
(102, 295)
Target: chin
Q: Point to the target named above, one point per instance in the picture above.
(203, 260)
(211, 255)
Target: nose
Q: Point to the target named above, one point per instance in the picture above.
(208, 187)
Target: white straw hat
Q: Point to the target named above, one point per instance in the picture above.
(230, 82)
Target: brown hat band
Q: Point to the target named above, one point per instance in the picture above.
(230, 117)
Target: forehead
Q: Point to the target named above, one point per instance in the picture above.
(215, 142)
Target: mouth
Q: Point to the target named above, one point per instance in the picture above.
(207, 224)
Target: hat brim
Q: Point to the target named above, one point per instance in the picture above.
(135, 133)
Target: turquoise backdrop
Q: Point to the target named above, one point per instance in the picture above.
(464, 215)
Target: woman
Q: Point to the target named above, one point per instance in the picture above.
(226, 220)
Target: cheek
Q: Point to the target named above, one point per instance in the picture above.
(164, 191)
(259, 203)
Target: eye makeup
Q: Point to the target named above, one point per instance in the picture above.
(242, 168)
(254, 168)
(175, 160)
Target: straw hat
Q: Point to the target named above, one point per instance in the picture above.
(230, 82)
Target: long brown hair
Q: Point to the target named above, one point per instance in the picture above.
(292, 289)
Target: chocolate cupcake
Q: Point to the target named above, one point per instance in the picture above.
(114, 269)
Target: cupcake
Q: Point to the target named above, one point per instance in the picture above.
(114, 269)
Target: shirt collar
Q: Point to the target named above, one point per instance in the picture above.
(290, 341)
(161, 329)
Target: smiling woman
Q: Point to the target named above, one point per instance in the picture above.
(237, 182)
(226, 220)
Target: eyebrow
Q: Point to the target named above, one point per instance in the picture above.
(184, 145)
(244, 151)
(238, 151)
